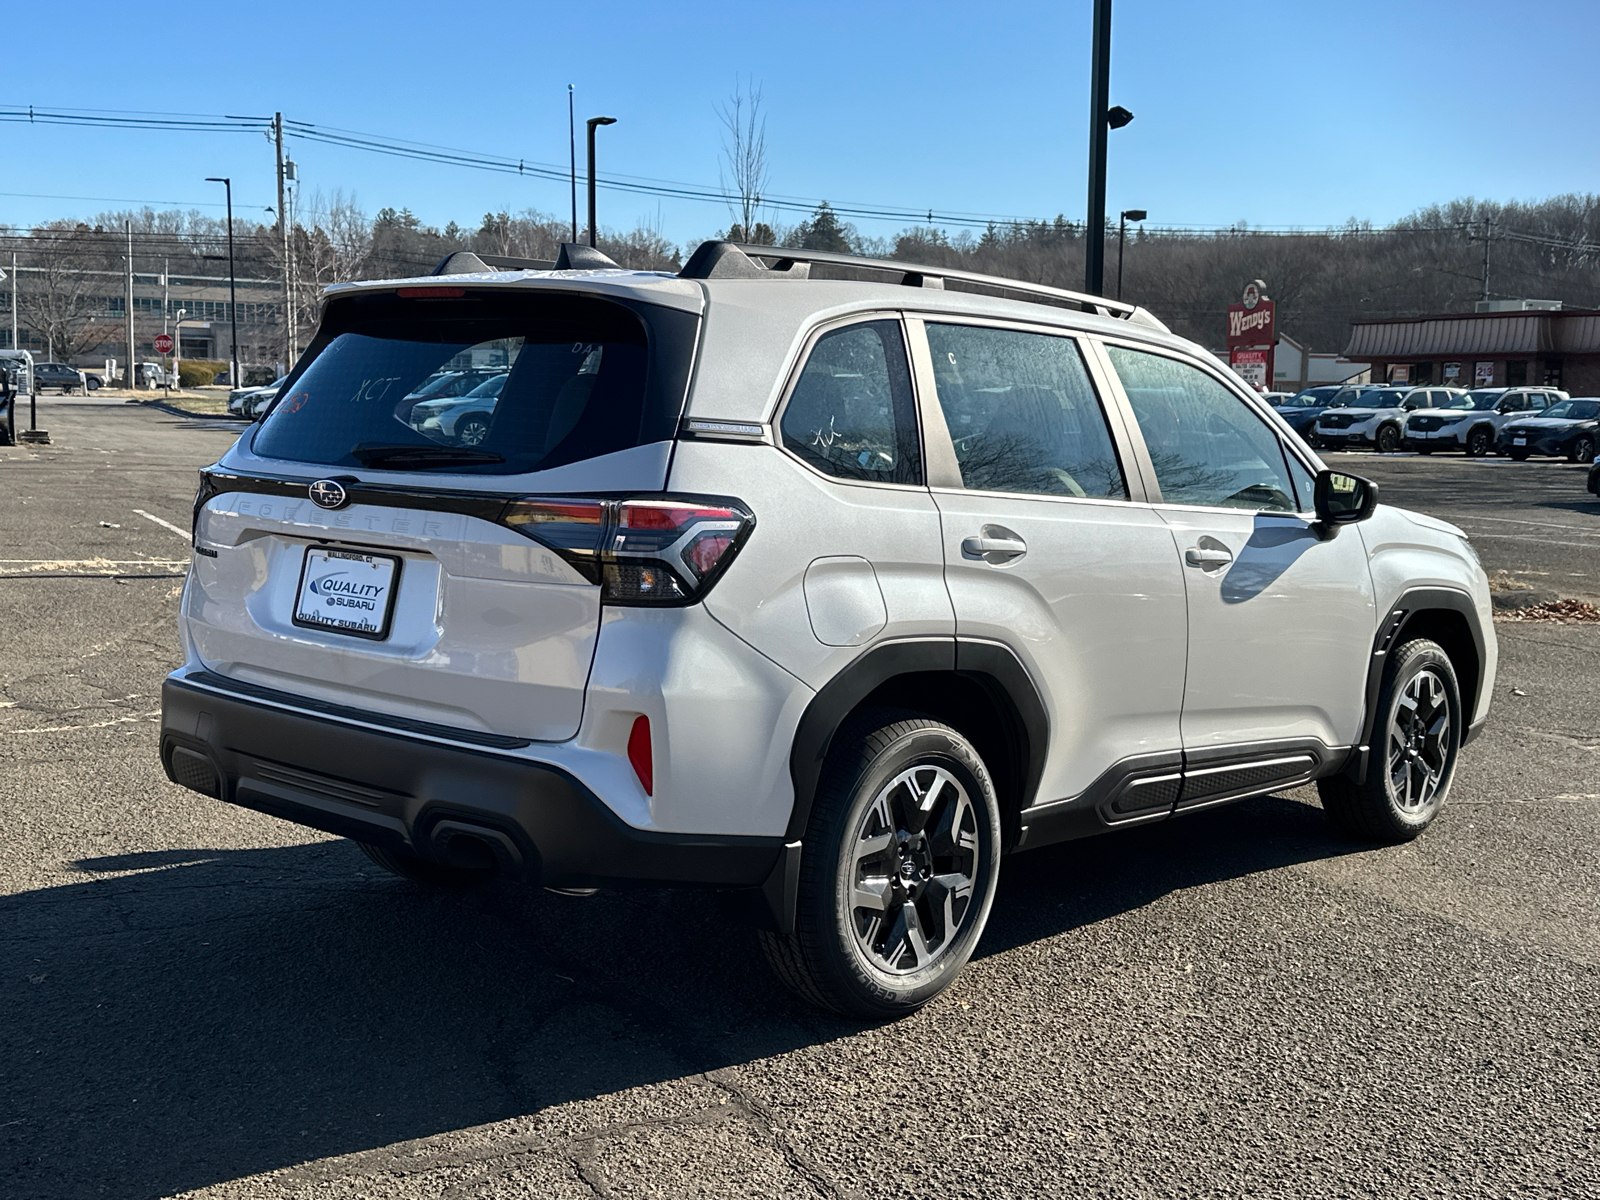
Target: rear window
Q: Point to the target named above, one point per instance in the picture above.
(485, 383)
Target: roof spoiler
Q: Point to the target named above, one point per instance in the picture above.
(571, 257)
(739, 260)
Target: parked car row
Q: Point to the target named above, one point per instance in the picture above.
(1513, 421)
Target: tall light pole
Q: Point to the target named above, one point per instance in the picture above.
(1102, 118)
(593, 121)
(233, 301)
(572, 149)
(1132, 214)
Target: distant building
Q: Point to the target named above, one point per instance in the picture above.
(1505, 344)
(203, 299)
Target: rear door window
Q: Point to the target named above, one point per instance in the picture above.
(1022, 414)
(495, 383)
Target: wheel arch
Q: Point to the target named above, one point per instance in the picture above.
(977, 687)
(1442, 615)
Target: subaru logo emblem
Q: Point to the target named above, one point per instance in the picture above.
(328, 493)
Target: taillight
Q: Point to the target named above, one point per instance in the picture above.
(666, 551)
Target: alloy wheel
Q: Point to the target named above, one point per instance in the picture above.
(914, 866)
(1419, 741)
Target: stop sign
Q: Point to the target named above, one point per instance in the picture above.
(163, 343)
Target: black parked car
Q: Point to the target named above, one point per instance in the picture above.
(1567, 428)
(58, 375)
(1302, 409)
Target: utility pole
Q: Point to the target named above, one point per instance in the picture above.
(15, 281)
(283, 241)
(1094, 258)
(1487, 229)
(133, 382)
(233, 298)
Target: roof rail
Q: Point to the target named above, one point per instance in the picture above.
(737, 260)
(573, 256)
(467, 262)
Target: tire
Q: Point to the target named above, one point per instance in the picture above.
(1479, 442)
(1419, 690)
(1518, 455)
(472, 431)
(1582, 449)
(419, 870)
(870, 825)
(1387, 439)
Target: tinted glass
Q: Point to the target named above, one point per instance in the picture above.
(1305, 484)
(1022, 414)
(1207, 447)
(1484, 400)
(1584, 410)
(851, 413)
(564, 378)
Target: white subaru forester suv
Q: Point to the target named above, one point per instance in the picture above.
(826, 592)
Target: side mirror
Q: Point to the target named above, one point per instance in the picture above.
(1505, 406)
(1342, 499)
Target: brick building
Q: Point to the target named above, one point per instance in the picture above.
(1516, 342)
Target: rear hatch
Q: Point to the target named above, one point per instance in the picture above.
(372, 543)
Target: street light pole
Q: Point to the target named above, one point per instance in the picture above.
(1094, 257)
(572, 149)
(233, 299)
(1132, 214)
(593, 121)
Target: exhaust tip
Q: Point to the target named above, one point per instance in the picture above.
(475, 847)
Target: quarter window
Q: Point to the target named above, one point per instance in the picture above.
(1206, 445)
(1022, 414)
(851, 413)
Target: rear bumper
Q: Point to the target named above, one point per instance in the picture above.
(395, 789)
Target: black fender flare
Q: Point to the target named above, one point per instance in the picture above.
(1391, 633)
(993, 665)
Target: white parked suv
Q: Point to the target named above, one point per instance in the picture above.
(828, 592)
(1369, 416)
(1471, 421)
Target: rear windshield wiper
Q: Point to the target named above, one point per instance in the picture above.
(403, 457)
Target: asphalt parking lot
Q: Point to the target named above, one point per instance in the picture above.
(197, 999)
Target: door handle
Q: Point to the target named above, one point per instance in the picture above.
(993, 549)
(1195, 556)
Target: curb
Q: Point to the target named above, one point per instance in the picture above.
(184, 412)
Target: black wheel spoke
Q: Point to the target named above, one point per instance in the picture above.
(913, 869)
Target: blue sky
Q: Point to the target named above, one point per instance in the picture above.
(1278, 114)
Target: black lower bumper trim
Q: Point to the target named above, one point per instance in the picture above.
(383, 787)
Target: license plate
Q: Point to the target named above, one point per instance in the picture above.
(347, 591)
(1519, 441)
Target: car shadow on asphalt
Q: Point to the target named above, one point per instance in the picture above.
(186, 1017)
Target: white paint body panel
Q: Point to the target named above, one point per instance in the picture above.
(1280, 638)
(1095, 611)
(491, 631)
(802, 516)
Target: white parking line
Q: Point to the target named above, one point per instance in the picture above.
(1591, 530)
(183, 533)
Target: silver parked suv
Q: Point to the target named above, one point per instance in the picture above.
(828, 592)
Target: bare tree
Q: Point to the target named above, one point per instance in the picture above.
(59, 297)
(744, 157)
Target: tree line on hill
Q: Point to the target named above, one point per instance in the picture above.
(1428, 262)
